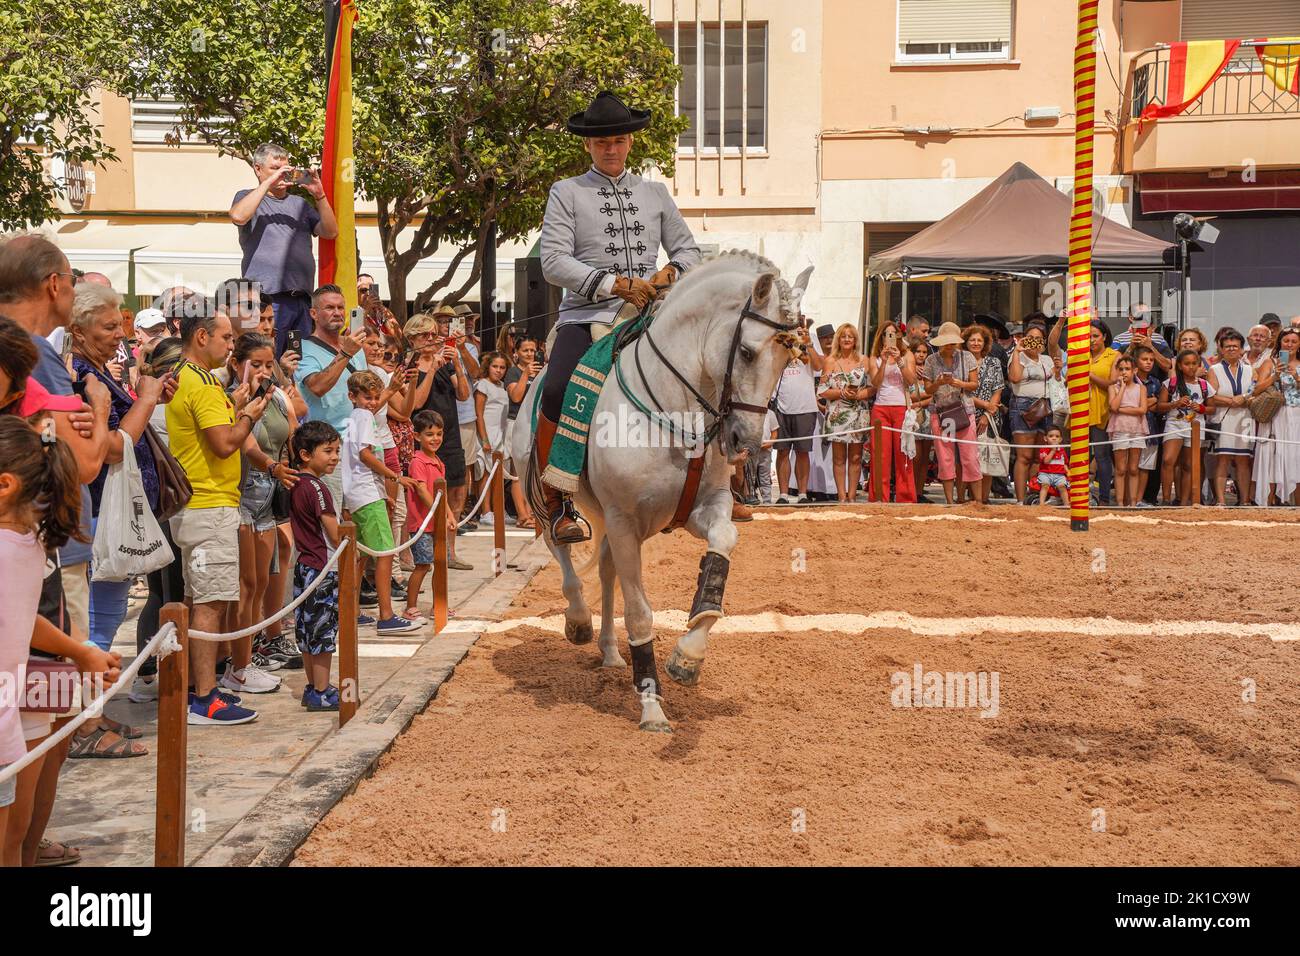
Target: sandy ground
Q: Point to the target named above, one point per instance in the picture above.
(1128, 749)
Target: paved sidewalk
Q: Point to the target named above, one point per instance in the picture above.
(106, 807)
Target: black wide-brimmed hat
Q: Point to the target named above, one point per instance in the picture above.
(608, 116)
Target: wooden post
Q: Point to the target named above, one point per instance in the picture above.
(877, 479)
(498, 514)
(349, 609)
(173, 722)
(440, 556)
(1194, 484)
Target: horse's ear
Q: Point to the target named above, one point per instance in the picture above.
(763, 288)
(801, 283)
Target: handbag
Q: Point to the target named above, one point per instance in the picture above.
(953, 419)
(51, 686)
(1264, 405)
(174, 488)
(1036, 412)
(128, 540)
(994, 455)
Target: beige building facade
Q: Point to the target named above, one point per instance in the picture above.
(822, 131)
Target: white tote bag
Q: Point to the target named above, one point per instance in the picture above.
(128, 540)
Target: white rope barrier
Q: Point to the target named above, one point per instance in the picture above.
(283, 612)
(162, 643)
(931, 436)
(487, 486)
(410, 542)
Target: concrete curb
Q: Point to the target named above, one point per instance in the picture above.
(271, 833)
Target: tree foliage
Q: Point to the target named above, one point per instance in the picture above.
(459, 105)
(51, 56)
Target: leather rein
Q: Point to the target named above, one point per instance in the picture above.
(726, 403)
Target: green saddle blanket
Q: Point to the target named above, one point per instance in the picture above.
(569, 448)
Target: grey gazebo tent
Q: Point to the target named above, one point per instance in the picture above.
(1016, 227)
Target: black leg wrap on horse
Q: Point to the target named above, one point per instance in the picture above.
(645, 677)
(709, 587)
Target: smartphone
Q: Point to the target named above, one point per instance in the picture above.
(456, 327)
(128, 364)
(411, 358)
(1285, 356)
(296, 176)
(293, 341)
(262, 389)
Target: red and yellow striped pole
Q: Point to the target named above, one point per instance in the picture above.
(1080, 283)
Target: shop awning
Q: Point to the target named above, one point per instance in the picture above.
(1016, 226)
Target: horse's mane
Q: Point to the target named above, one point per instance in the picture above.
(738, 260)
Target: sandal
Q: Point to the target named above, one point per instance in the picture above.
(121, 729)
(89, 746)
(66, 855)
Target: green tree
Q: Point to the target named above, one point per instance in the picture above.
(459, 105)
(51, 57)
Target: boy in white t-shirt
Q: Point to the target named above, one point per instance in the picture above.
(364, 474)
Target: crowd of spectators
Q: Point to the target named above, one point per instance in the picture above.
(973, 405)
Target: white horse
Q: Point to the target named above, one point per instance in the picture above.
(712, 355)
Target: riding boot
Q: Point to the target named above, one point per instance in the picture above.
(739, 510)
(560, 513)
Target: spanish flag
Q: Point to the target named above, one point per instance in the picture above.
(338, 257)
(1281, 60)
(1193, 66)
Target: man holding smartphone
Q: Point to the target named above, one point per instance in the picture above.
(1140, 331)
(275, 234)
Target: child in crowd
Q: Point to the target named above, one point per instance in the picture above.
(426, 470)
(758, 470)
(1052, 467)
(492, 405)
(1149, 460)
(315, 447)
(1183, 399)
(40, 507)
(1127, 428)
(363, 491)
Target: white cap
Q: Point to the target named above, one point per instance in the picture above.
(149, 318)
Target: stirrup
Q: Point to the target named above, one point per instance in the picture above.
(568, 511)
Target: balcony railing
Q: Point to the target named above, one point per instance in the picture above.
(1242, 89)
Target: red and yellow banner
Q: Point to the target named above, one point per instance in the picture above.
(1193, 66)
(338, 257)
(1281, 60)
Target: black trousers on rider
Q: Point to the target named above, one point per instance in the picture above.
(571, 343)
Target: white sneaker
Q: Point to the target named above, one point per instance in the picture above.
(251, 680)
(143, 691)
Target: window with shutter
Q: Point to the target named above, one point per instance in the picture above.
(1240, 19)
(948, 30)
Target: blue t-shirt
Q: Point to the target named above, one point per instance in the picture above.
(53, 374)
(277, 243)
(334, 406)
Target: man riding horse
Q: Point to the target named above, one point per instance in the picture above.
(600, 241)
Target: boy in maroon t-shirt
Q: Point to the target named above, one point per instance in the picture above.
(315, 448)
(426, 469)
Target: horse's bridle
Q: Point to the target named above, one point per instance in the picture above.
(725, 404)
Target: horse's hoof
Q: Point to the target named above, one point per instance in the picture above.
(656, 726)
(613, 659)
(578, 632)
(685, 670)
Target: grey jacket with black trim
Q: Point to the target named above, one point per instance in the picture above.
(597, 229)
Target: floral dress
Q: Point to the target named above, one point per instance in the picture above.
(991, 383)
(846, 415)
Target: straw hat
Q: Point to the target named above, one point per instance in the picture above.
(949, 334)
